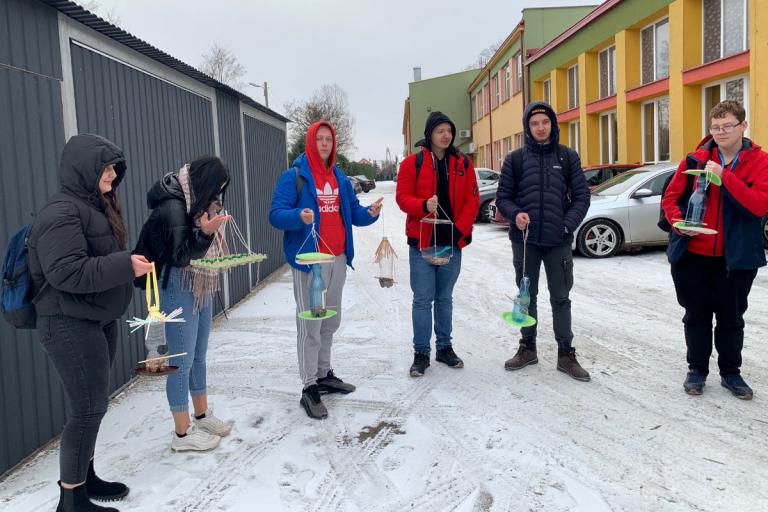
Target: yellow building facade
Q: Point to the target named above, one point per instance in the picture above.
(633, 81)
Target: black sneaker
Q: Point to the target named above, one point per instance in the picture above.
(736, 385)
(310, 400)
(694, 382)
(449, 357)
(420, 364)
(332, 384)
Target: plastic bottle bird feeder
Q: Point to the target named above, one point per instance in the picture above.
(519, 316)
(385, 257)
(436, 254)
(154, 326)
(697, 203)
(318, 310)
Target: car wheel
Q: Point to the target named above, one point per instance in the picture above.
(485, 214)
(765, 231)
(599, 238)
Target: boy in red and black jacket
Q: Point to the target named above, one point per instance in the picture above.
(713, 273)
(436, 181)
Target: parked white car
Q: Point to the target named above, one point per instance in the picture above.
(487, 176)
(623, 213)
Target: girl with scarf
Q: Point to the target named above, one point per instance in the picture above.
(184, 225)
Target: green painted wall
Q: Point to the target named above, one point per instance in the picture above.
(448, 94)
(541, 26)
(623, 16)
(544, 24)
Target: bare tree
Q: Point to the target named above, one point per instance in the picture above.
(329, 103)
(485, 56)
(95, 7)
(222, 64)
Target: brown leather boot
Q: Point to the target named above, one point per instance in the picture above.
(567, 363)
(525, 355)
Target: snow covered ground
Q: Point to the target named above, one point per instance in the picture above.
(477, 439)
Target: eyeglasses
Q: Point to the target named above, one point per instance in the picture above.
(726, 128)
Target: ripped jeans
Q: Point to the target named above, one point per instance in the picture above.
(558, 265)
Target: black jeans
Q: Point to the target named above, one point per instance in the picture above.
(558, 265)
(82, 352)
(705, 287)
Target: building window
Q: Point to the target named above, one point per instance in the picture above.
(546, 89)
(573, 87)
(488, 156)
(608, 72)
(609, 139)
(733, 88)
(473, 106)
(498, 155)
(480, 104)
(507, 145)
(518, 140)
(518, 85)
(656, 130)
(654, 51)
(573, 135)
(507, 82)
(495, 98)
(725, 28)
(487, 98)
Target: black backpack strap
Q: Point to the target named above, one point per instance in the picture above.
(299, 183)
(419, 163)
(517, 166)
(565, 165)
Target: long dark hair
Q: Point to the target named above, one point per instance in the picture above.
(209, 177)
(115, 217)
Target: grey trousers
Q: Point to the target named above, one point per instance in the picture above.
(315, 337)
(558, 264)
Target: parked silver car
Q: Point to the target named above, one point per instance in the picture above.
(623, 213)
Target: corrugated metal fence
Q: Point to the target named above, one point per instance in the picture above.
(160, 124)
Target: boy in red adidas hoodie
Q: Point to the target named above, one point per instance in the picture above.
(713, 274)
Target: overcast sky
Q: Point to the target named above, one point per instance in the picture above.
(367, 47)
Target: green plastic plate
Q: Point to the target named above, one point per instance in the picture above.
(307, 315)
(527, 322)
(713, 178)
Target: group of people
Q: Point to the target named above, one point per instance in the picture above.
(82, 270)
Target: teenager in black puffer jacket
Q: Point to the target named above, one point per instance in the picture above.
(81, 276)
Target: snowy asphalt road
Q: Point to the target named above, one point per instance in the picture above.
(476, 439)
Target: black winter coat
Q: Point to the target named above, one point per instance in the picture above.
(169, 238)
(543, 189)
(77, 266)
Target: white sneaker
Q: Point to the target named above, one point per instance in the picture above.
(213, 425)
(195, 440)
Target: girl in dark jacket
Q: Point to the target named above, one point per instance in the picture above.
(81, 274)
(184, 226)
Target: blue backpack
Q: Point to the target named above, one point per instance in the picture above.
(17, 306)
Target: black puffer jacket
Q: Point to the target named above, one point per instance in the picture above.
(76, 263)
(543, 188)
(169, 237)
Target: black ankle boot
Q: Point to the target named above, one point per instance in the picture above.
(100, 490)
(76, 500)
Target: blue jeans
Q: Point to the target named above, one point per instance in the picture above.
(190, 336)
(432, 283)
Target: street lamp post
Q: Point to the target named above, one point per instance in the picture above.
(266, 92)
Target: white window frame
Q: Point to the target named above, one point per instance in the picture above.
(576, 127)
(611, 72)
(498, 154)
(507, 82)
(655, 103)
(576, 89)
(745, 40)
(546, 91)
(496, 86)
(607, 114)
(518, 137)
(655, 64)
(473, 107)
(721, 83)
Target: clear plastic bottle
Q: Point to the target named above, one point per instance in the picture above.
(317, 291)
(523, 301)
(697, 203)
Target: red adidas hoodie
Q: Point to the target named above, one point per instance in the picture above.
(332, 233)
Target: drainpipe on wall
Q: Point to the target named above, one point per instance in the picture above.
(525, 78)
(490, 119)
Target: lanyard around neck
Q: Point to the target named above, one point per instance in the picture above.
(733, 162)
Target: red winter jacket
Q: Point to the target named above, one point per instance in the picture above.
(746, 188)
(412, 195)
